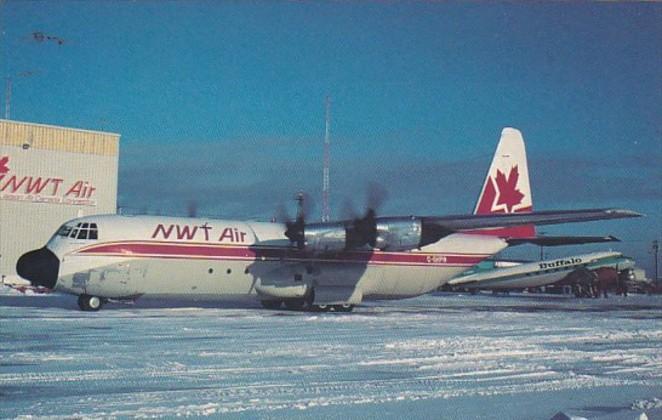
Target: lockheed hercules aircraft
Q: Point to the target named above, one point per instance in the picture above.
(308, 266)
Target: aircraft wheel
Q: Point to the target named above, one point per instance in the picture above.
(345, 307)
(271, 304)
(321, 308)
(295, 304)
(90, 303)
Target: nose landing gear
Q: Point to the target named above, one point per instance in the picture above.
(90, 303)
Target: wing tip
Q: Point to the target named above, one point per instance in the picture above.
(623, 213)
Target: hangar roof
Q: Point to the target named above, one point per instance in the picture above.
(65, 139)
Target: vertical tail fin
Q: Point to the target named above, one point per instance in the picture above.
(506, 188)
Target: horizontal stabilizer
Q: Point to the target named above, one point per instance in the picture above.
(475, 221)
(562, 240)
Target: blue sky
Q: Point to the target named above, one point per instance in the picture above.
(223, 102)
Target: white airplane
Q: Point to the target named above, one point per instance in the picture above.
(312, 266)
(538, 273)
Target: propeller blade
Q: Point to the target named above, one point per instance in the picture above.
(306, 204)
(377, 194)
(367, 227)
(295, 231)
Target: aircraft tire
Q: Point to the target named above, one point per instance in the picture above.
(295, 304)
(271, 304)
(345, 308)
(90, 303)
(332, 308)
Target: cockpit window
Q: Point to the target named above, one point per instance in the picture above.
(64, 230)
(81, 231)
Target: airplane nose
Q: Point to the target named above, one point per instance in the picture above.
(40, 267)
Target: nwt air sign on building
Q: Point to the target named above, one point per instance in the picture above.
(42, 189)
(49, 175)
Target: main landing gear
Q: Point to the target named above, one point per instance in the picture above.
(303, 305)
(90, 303)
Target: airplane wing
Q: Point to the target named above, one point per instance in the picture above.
(561, 240)
(401, 233)
(474, 222)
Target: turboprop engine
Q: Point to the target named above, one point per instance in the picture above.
(398, 234)
(320, 238)
(383, 233)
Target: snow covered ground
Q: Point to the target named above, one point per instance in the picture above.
(443, 356)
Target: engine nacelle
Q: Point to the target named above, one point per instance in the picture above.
(384, 233)
(320, 238)
(398, 233)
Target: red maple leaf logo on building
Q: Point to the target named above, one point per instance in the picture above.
(509, 195)
(3, 164)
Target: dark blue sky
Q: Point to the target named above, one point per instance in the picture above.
(223, 103)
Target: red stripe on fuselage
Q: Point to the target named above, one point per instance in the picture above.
(250, 253)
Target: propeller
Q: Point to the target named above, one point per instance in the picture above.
(295, 229)
(377, 194)
(360, 230)
(363, 230)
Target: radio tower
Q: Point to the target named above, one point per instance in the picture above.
(326, 212)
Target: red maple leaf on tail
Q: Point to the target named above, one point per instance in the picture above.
(3, 164)
(509, 195)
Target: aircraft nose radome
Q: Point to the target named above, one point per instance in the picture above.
(40, 267)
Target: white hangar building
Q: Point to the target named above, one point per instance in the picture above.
(49, 175)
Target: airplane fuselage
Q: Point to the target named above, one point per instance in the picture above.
(146, 256)
(540, 273)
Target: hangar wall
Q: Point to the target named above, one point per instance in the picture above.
(49, 175)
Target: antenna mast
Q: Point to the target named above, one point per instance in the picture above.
(326, 216)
